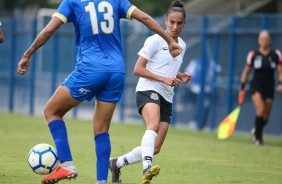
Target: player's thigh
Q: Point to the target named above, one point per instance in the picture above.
(59, 104)
(102, 116)
(148, 105)
(151, 115)
(258, 103)
(161, 136)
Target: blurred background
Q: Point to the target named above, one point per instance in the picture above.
(218, 34)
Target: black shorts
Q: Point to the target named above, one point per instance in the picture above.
(143, 97)
(266, 91)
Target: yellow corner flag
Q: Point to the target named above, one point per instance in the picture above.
(227, 126)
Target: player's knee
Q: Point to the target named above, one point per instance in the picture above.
(154, 126)
(50, 114)
(46, 113)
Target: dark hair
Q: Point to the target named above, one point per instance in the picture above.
(176, 6)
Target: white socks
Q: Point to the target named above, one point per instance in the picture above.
(130, 158)
(143, 153)
(147, 148)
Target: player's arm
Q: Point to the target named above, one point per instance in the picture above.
(247, 69)
(184, 77)
(245, 75)
(243, 80)
(44, 35)
(141, 71)
(40, 40)
(279, 70)
(1, 34)
(147, 20)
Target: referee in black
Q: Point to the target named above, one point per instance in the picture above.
(264, 61)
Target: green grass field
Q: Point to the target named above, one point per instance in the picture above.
(187, 157)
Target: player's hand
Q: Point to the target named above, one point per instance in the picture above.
(241, 96)
(23, 65)
(279, 89)
(174, 49)
(171, 81)
(185, 77)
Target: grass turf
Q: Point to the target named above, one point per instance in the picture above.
(186, 157)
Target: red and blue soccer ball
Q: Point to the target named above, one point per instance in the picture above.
(43, 159)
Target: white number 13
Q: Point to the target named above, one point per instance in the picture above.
(104, 7)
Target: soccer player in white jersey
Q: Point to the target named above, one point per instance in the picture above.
(159, 73)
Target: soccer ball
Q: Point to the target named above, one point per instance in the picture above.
(43, 159)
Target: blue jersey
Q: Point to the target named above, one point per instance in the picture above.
(98, 38)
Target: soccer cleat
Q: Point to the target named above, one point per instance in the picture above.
(257, 140)
(115, 171)
(149, 173)
(60, 174)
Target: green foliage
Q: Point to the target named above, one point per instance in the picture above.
(186, 157)
(7, 6)
(155, 7)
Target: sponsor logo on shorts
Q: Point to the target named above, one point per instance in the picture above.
(154, 96)
(83, 91)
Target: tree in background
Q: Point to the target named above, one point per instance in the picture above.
(7, 7)
(152, 7)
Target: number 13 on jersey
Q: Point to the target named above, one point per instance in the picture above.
(107, 25)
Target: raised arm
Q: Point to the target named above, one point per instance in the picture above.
(40, 40)
(147, 20)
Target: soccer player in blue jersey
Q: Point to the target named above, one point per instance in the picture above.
(99, 73)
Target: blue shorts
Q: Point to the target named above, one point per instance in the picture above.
(105, 86)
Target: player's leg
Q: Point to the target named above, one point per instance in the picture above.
(260, 108)
(101, 123)
(266, 115)
(135, 156)
(166, 111)
(161, 137)
(267, 111)
(106, 103)
(58, 105)
(151, 115)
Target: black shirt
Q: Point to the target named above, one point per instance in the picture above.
(264, 66)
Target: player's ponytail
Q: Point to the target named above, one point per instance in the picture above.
(177, 6)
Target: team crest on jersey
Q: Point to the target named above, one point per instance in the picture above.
(258, 62)
(272, 64)
(154, 96)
